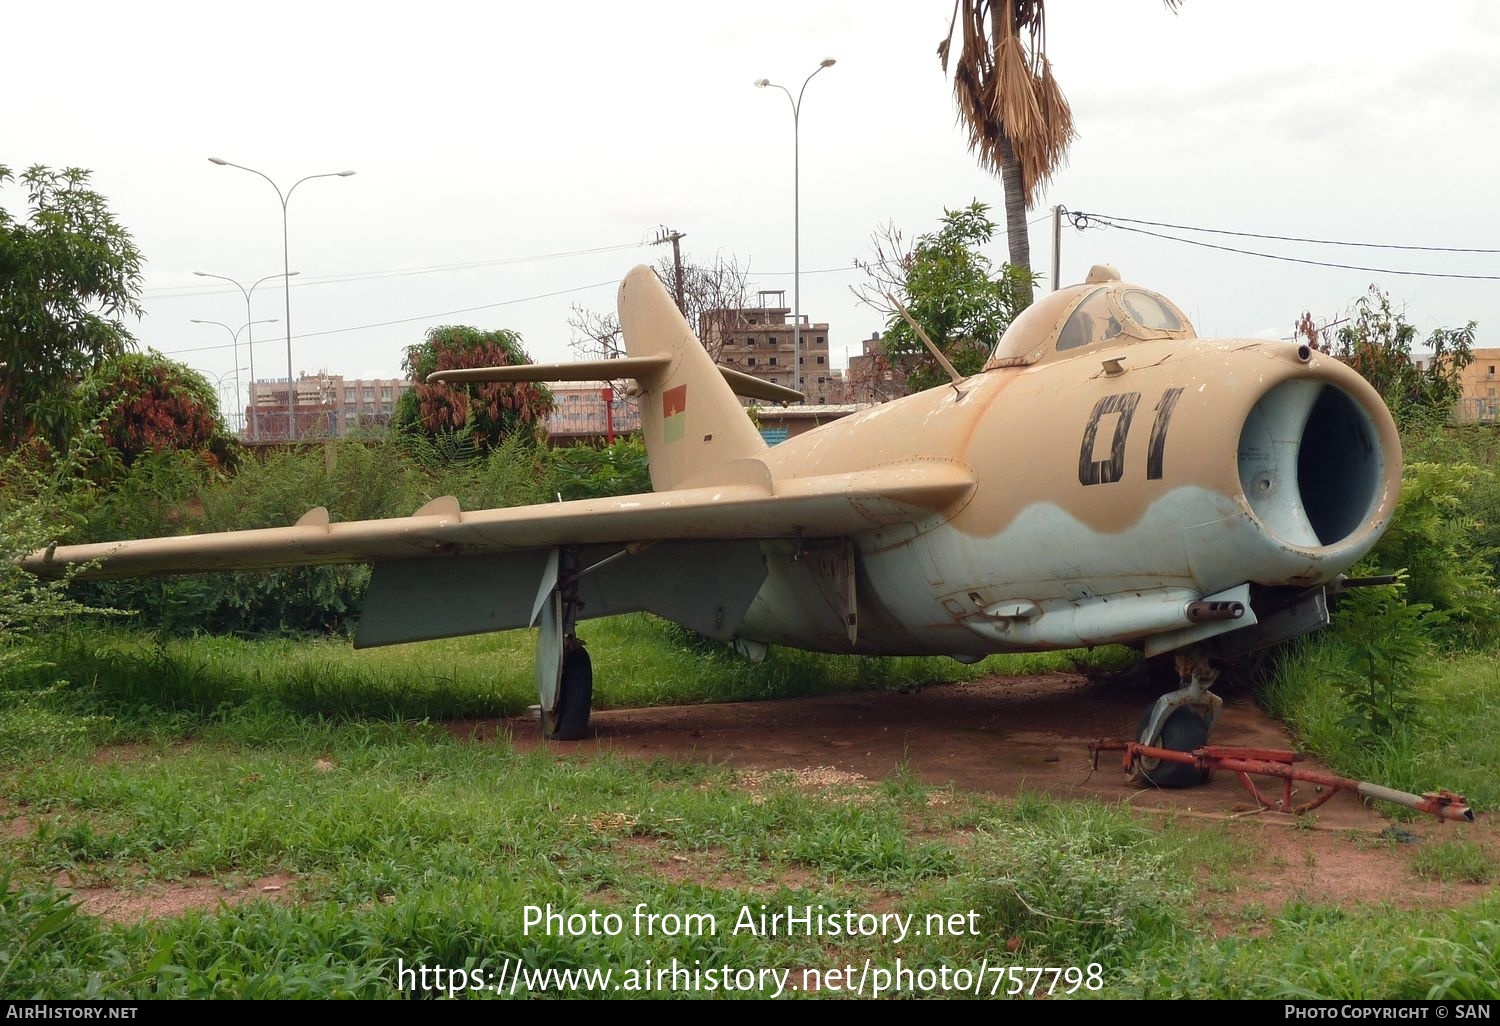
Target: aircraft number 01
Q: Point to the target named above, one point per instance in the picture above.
(1112, 468)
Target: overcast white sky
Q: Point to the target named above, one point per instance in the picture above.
(497, 133)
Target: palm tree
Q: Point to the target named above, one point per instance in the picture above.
(1019, 122)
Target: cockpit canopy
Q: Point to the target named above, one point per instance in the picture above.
(1103, 310)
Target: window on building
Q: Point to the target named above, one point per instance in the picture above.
(822, 340)
(1492, 368)
(750, 342)
(773, 361)
(822, 381)
(385, 393)
(801, 359)
(822, 399)
(750, 361)
(820, 359)
(368, 394)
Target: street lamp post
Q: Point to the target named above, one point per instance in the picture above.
(234, 333)
(796, 102)
(286, 267)
(250, 338)
(219, 385)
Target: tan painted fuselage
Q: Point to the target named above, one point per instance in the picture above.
(1043, 526)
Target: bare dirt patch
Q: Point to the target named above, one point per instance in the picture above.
(713, 869)
(1005, 735)
(131, 752)
(153, 899)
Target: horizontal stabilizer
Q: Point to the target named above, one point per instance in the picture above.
(642, 368)
(645, 369)
(751, 387)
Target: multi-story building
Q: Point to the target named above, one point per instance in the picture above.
(1481, 388)
(326, 405)
(872, 377)
(759, 340)
(581, 414)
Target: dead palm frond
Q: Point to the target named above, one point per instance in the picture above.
(1003, 85)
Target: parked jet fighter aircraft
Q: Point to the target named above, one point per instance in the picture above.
(1108, 477)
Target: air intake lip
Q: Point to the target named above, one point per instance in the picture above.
(1311, 464)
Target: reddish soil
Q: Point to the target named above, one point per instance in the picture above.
(152, 899)
(1002, 735)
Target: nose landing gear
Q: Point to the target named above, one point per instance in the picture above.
(1179, 721)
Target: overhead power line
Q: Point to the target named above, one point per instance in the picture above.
(1082, 220)
(473, 309)
(420, 317)
(1285, 238)
(173, 292)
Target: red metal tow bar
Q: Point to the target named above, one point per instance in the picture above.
(1271, 763)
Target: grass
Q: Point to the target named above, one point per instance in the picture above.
(1450, 743)
(137, 763)
(149, 684)
(1454, 861)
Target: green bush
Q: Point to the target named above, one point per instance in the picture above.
(1441, 545)
(37, 509)
(598, 471)
(1390, 640)
(364, 478)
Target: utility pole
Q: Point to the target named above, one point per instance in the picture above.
(672, 235)
(1057, 213)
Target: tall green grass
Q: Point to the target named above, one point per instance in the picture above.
(1449, 742)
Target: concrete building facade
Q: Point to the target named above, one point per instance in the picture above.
(582, 415)
(326, 405)
(759, 340)
(872, 378)
(1481, 388)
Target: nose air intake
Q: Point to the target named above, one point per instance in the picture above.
(1311, 464)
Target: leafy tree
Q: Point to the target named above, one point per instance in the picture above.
(950, 287)
(484, 412)
(1378, 343)
(1019, 122)
(68, 273)
(144, 402)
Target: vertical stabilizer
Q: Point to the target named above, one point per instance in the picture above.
(692, 421)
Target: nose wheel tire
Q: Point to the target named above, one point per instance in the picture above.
(569, 721)
(1183, 731)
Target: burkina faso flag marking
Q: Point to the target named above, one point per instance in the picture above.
(673, 413)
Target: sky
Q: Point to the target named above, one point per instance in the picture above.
(513, 160)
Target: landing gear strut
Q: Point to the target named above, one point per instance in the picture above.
(1180, 721)
(564, 672)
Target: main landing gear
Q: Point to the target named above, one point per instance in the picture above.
(564, 672)
(1180, 721)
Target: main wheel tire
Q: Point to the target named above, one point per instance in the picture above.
(1184, 731)
(575, 694)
